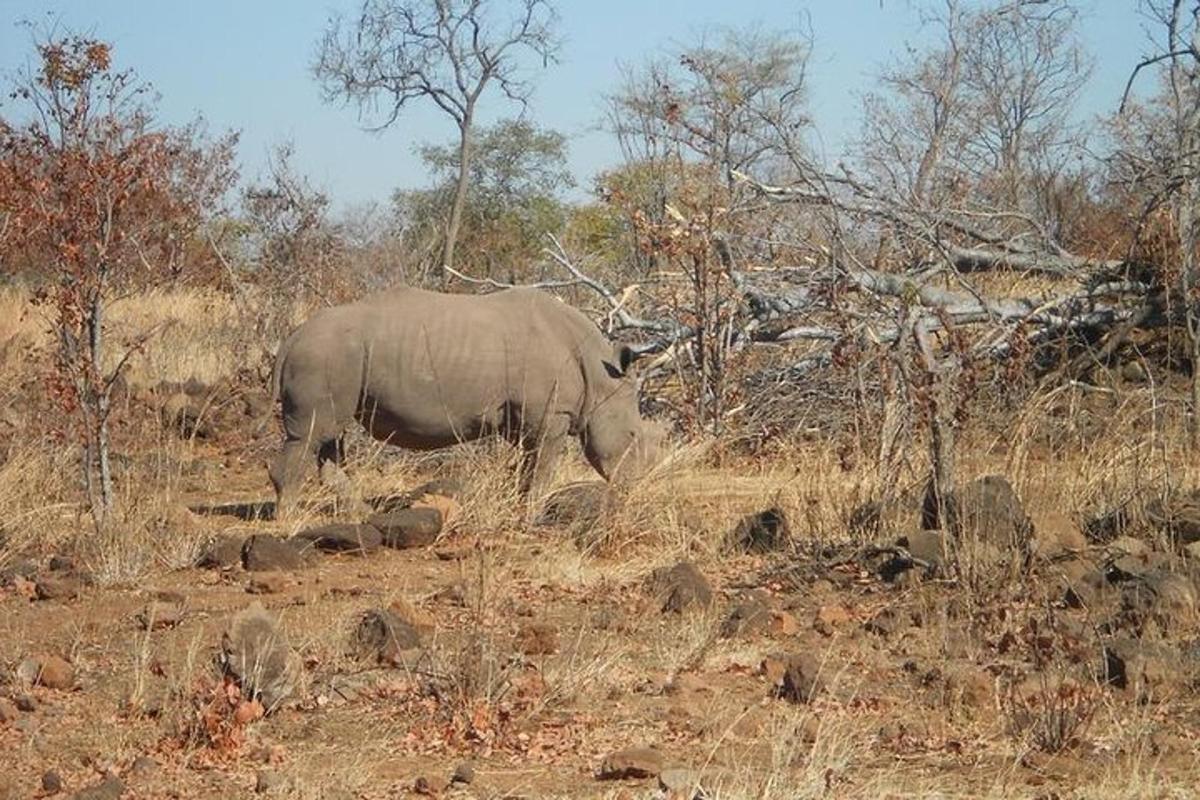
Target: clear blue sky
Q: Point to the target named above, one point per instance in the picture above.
(244, 65)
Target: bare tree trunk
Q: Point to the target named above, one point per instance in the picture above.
(98, 396)
(465, 153)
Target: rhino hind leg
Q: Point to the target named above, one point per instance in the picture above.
(287, 474)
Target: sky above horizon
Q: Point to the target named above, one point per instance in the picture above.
(246, 66)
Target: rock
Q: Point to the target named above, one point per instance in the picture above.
(888, 622)
(268, 583)
(414, 616)
(61, 563)
(412, 527)
(578, 506)
(802, 680)
(1177, 515)
(782, 624)
(764, 532)
(632, 762)
(680, 587)
(968, 686)
(57, 587)
(256, 653)
(831, 617)
(1055, 535)
(342, 538)
(262, 553)
(160, 614)
(49, 671)
(269, 782)
(1106, 526)
(1086, 586)
(111, 789)
(430, 786)
(52, 782)
(1168, 599)
(26, 703)
(8, 711)
(985, 509)
(537, 639)
(746, 618)
(926, 546)
(679, 784)
(143, 766)
(447, 507)
(1148, 671)
(464, 773)
(224, 552)
(27, 671)
(21, 568)
(383, 635)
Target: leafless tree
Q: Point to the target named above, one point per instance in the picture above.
(1160, 155)
(446, 51)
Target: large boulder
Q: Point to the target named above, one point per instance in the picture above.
(263, 553)
(987, 511)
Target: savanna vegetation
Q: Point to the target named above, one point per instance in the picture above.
(930, 521)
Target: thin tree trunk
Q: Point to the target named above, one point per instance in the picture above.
(465, 153)
(99, 396)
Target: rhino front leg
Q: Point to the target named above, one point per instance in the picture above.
(329, 468)
(542, 454)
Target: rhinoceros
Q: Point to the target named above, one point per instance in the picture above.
(424, 370)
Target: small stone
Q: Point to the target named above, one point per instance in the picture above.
(268, 782)
(224, 552)
(802, 680)
(746, 618)
(680, 587)
(1055, 534)
(678, 783)
(52, 782)
(782, 624)
(537, 639)
(158, 615)
(256, 653)
(430, 786)
(764, 532)
(268, 583)
(342, 538)
(111, 789)
(831, 617)
(27, 671)
(262, 553)
(633, 762)
(384, 636)
(55, 673)
(26, 703)
(464, 773)
(143, 766)
(62, 564)
(447, 507)
(410, 527)
(57, 587)
(414, 616)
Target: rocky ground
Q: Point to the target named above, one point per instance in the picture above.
(727, 645)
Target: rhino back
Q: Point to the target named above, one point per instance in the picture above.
(442, 366)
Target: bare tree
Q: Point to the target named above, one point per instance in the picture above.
(1160, 154)
(446, 51)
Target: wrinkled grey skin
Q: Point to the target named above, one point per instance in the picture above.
(424, 370)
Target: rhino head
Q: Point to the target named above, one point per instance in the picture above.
(616, 440)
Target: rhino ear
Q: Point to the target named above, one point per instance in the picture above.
(626, 357)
